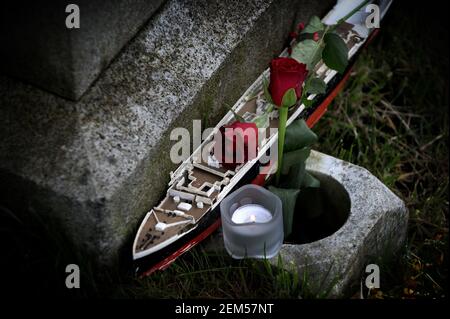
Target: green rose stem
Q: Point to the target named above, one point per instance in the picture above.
(353, 12)
(328, 29)
(283, 114)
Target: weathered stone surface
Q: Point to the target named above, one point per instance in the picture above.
(376, 227)
(40, 49)
(98, 164)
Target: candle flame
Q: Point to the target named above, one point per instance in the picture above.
(252, 218)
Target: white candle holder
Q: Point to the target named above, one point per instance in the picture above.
(252, 223)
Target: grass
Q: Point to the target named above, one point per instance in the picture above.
(391, 118)
(207, 274)
(203, 274)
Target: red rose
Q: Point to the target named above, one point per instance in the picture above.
(293, 35)
(300, 26)
(316, 36)
(285, 74)
(236, 144)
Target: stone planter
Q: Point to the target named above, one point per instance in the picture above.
(352, 220)
(319, 212)
(375, 226)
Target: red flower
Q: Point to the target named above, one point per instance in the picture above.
(300, 27)
(293, 35)
(236, 144)
(316, 36)
(285, 74)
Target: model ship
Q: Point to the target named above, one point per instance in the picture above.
(196, 188)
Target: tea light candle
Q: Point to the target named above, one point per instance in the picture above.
(251, 213)
(252, 223)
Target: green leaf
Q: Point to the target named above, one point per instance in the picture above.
(308, 52)
(298, 177)
(251, 97)
(310, 181)
(267, 95)
(295, 177)
(293, 158)
(298, 135)
(282, 121)
(335, 54)
(314, 25)
(236, 116)
(315, 86)
(288, 199)
(262, 120)
(289, 98)
(306, 102)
